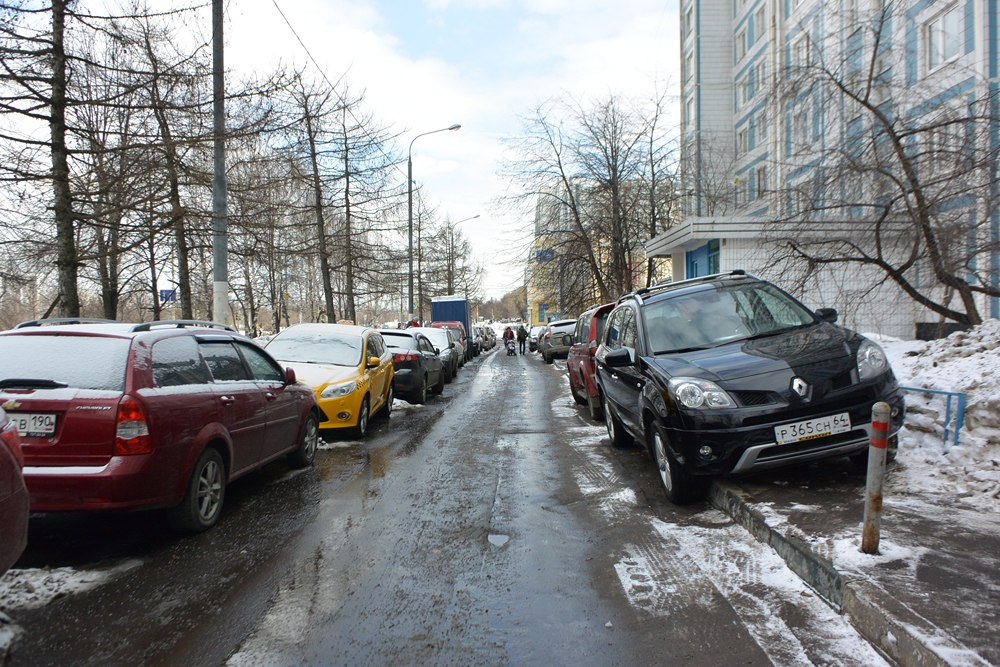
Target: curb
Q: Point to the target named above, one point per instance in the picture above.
(894, 629)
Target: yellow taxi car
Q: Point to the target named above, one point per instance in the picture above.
(349, 368)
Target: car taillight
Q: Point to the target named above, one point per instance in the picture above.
(132, 434)
(404, 356)
(9, 436)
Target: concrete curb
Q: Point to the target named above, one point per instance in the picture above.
(896, 630)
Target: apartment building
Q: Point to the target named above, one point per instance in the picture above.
(819, 133)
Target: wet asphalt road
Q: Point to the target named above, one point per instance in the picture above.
(492, 526)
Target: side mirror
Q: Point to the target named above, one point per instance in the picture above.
(373, 362)
(618, 358)
(827, 315)
(290, 376)
(567, 340)
(451, 345)
(437, 350)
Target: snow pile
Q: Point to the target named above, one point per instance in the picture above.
(967, 362)
(36, 587)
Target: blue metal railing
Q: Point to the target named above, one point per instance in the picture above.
(959, 412)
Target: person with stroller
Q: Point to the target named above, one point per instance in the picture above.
(522, 337)
(508, 341)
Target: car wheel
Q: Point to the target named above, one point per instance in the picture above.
(304, 456)
(681, 486)
(420, 395)
(446, 372)
(439, 387)
(596, 409)
(547, 358)
(577, 394)
(362, 426)
(616, 432)
(386, 409)
(203, 497)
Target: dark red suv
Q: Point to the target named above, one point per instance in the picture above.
(580, 363)
(162, 414)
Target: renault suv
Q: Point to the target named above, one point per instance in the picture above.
(163, 414)
(727, 374)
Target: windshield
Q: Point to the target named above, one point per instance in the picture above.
(399, 341)
(316, 347)
(711, 317)
(82, 362)
(439, 338)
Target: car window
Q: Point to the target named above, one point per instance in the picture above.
(602, 319)
(177, 362)
(425, 345)
(224, 362)
(82, 362)
(262, 367)
(629, 333)
(579, 336)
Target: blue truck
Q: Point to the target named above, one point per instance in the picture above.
(454, 309)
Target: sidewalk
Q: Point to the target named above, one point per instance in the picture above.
(932, 598)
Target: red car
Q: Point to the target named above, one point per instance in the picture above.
(13, 495)
(580, 363)
(162, 414)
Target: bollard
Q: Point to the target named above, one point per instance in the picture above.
(876, 478)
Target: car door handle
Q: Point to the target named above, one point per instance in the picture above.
(271, 396)
(227, 400)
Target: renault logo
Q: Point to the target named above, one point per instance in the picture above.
(10, 405)
(800, 387)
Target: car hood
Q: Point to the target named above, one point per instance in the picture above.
(320, 375)
(796, 350)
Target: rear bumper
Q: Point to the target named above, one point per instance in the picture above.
(406, 381)
(14, 527)
(124, 482)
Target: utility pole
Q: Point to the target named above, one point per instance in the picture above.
(220, 215)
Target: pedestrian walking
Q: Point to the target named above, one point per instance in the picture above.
(522, 337)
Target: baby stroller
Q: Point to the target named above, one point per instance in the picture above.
(511, 347)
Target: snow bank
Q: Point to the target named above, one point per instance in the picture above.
(966, 362)
(36, 587)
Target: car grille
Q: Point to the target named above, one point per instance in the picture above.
(753, 398)
(841, 381)
(855, 400)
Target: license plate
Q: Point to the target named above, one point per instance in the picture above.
(33, 423)
(813, 428)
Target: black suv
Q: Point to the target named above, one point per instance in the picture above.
(728, 374)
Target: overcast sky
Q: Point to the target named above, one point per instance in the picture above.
(426, 64)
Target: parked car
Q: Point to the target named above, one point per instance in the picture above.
(580, 363)
(476, 343)
(462, 336)
(727, 374)
(444, 342)
(533, 334)
(416, 363)
(13, 495)
(349, 367)
(161, 414)
(556, 340)
(456, 337)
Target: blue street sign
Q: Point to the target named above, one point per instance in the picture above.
(168, 295)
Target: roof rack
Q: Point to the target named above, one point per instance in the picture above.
(181, 324)
(59, 321)
(639, 293)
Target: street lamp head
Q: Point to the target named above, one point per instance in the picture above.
(456, 126)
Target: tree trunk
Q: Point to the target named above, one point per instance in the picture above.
(67, 261)
(348, 245)
(324, 261)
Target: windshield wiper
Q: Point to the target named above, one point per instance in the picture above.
(31, 383)
(774, 332)
(685, 349)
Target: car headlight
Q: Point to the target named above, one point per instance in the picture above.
(338, 390)
(871, 361)
(696, 393)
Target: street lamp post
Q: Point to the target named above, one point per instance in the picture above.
(409, 202)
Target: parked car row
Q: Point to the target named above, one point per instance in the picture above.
(726, 375)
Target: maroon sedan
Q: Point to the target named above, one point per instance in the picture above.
(580, 363)
(162, 414)
(13, 495)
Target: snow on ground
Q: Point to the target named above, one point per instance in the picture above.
(36, 587)
(966, 362)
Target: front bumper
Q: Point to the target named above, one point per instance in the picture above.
(340, 412)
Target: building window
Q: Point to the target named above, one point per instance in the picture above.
(800, 126)
(760, 75)
(689, 113)
(689, 66)
(689, 22)
(762, 128)
(800, 52)
(761, 177)
(743, 91)
(850, 12)
(713, 257)
(743, 141)
(741, 44)
(943, 37)
(760, 23)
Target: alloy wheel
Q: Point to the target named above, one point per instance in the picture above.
(210, 485)
(662, 460)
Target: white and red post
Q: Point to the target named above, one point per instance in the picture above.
(876, 478)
